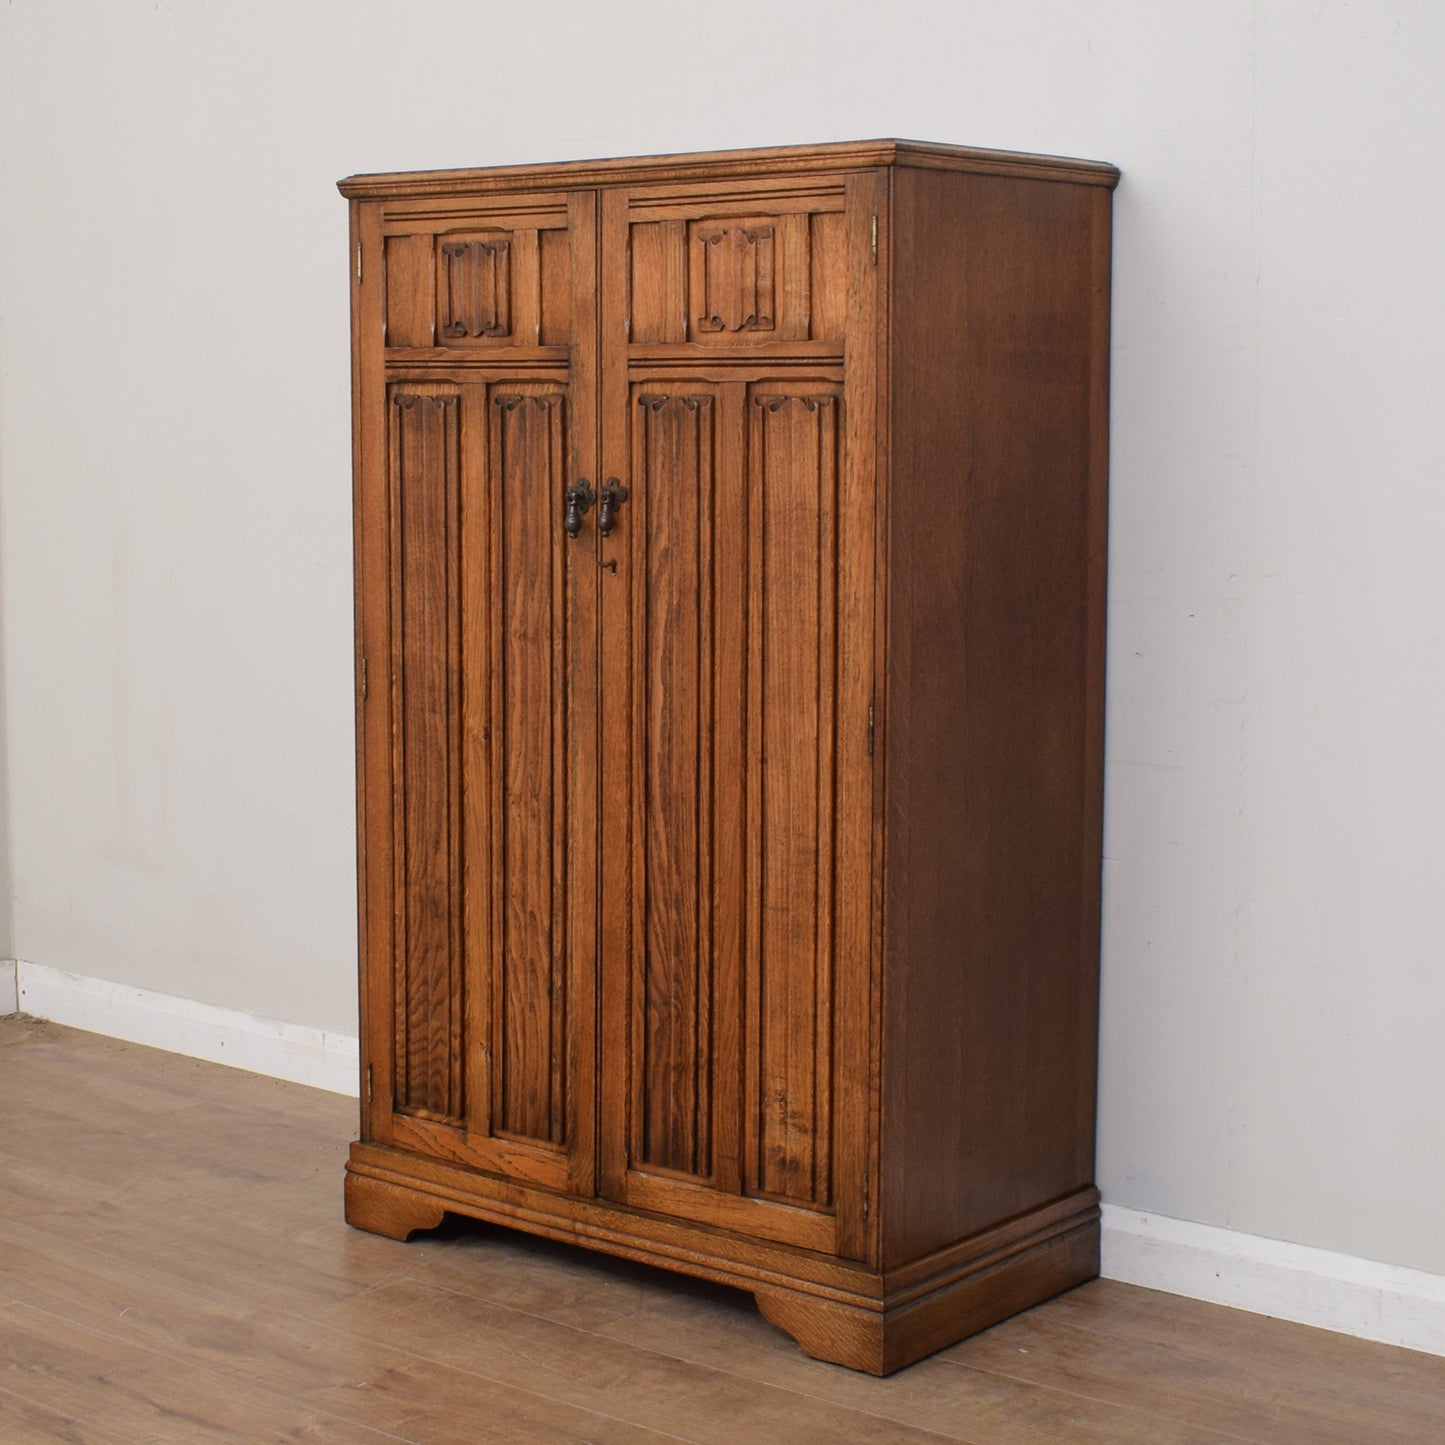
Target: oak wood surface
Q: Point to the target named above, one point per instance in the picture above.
(741, 849)
(176, 1269)
(721, 165)
(994, 643)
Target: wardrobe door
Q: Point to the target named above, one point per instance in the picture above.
(478, 767)
(736, 613)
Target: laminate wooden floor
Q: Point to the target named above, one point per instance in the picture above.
(175, 1268)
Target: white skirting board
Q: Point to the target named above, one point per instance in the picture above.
(1340, 1292)
(199, 1030)
(1264, 1276)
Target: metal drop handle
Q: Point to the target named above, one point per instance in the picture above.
(613, 496)
(579, 498)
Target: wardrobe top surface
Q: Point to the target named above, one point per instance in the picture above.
(730, 165)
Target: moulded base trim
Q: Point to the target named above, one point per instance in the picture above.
(837, 1310)
(1340, 1292)
(295, 1052)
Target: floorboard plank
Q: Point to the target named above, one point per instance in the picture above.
(366, 1382)
(23, 1422)
(722, 1329)
(576, 1366)
(138, 1394)
(1258, 1396)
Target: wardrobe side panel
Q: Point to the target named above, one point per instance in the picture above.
(993, 686)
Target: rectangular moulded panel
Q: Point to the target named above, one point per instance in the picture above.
(474, 288)
(686, 900)
(531, 694)
(793, 454)
(425, 478)
(828, 293)
(554, 276)
(655, 280)
(409, 290)
(505, 282)
(748, 271)
(734, 279)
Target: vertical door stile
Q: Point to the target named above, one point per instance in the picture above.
(754, 1098)
(854, 1046)
(375, 588)
(704, 898)
(730, 541)
(565, 721)
(825, 784)
(639, 1046)
(490, 1039)
(583, 661)
(617, 607)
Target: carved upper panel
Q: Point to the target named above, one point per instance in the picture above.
(732, 283)
(474, 288)
(752, 278)
(507, 284)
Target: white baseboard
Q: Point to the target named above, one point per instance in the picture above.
(199, 1030)
(1340, 1292)
(8, 996)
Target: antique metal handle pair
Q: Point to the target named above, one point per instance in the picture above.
(579, 498)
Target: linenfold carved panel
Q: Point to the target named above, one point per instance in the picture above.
(681, 917)
(732, 275)
(474, 288)
(425, 468)
(793, 478)
(530, 703)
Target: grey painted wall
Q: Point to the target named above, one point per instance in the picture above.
(175, 509)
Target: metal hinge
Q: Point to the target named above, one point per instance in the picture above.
(363, 677)
(368, 1083)
(870, 729)
(866, 1202)
(875, 247)
(358, 263)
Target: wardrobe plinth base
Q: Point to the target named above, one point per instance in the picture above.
(388, 1209)
(836, 1310)
(880, 1341)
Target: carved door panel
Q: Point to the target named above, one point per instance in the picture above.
(736, 676)
(479, 807)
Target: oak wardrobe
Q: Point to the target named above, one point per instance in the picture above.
(730, 543)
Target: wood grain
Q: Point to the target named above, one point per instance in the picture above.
(719, 166)
(793, 455)
(992, 759)
(531, 749)
(426, 676)
(795, 772)
(674, 510)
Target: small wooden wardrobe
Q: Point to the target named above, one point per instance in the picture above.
(730, 538)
